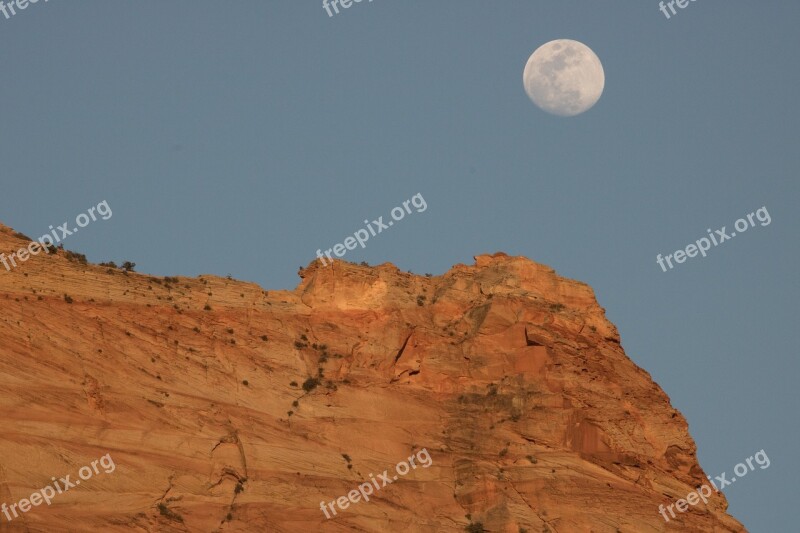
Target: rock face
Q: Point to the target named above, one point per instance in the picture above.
(229, 408)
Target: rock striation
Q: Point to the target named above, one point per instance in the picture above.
(229, 408)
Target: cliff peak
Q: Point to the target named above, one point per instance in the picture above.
(229, 407)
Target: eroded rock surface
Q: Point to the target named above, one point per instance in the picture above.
(509, 375)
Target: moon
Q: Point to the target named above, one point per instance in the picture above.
(564, 77)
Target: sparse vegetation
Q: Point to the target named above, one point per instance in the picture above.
(310, 384)
(475, 527)
(127, 266)
(169, 513)
(264, 338)
(245, 383)
(68, 298)
(293, 384)
(75, 257)
(207, 308)
(49, 248)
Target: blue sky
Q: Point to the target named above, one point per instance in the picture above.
(238, 138)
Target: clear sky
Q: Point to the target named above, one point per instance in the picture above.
(239, 137)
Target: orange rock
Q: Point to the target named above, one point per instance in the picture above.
(229, 408)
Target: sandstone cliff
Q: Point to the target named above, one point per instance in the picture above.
(509, 375)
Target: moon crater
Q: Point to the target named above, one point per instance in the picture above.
(564, 77)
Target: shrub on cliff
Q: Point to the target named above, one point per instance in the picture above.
(310, 384)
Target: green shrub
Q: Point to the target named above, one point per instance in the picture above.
(75, 257)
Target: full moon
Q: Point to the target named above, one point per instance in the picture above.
(564, 77)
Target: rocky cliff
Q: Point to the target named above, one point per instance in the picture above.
(230, 408)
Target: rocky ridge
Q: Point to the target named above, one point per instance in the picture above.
(230, 408)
